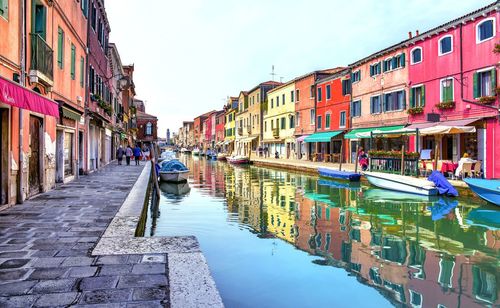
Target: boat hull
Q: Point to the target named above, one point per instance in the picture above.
(488, 190)
(221, 157)
(397, 184)
(238, 161)
(174, 176)
(340, 175)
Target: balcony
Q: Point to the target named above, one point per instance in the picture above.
(240, 131)
(276, 132)
(42, 61)
(249, 130)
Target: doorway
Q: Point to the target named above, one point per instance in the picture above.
(4, 155)
(80, 152)
(35, 162)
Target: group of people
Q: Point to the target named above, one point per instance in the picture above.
(137, 153)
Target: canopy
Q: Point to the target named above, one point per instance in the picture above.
(15, 95)
(435, 128)
(322, 137)
(366, 132)
(301, 138)
(248, 139)
(445, 129)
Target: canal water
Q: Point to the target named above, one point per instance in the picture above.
(274, 238)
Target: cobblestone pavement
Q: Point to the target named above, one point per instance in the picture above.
(46, 245)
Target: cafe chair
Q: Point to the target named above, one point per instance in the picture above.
(466, 169)
(476, 171)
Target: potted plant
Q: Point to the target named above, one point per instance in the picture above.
(487, 99)
(445, 105)
(415, 110)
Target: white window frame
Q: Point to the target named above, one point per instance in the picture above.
(441, 88)
(374, 65)
(360, 109)
(328, 86)
(357, 72)
(313, 119)
(421, 55)
(411, 298)
(340, 119)
(329, 113)
(439, 45)
(390, 64)
(477, 30)
(441, 270)
(381, 106)
(415, 87)
(389, 92)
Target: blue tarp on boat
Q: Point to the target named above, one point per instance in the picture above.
(343, 175)
(173, 165)
(443, 186)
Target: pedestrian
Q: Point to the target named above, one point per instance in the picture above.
(137, 154)
(128, 154)
(119, 154)
(363, 159)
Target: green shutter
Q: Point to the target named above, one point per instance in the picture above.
(403, 59)
(73, 61)
(60, 47)
(385, 65)
(412, 100)
(423, 96)
(476, 85)
(450, 92)
(371, 70)
(493, 81)
(82, 71)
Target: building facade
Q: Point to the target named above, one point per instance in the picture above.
(230, 124)
(147, 128)
(242, 125)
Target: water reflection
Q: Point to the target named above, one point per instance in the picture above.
(414, 250)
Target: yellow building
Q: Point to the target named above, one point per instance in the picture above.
(279, 121)
(229, 126)
(242, 122)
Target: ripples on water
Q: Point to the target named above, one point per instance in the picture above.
(280, 239)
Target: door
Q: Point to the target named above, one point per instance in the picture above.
(80, 152)
(68, 154)
(34, 156)
(4, 154)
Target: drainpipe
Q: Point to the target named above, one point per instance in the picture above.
(23, 56)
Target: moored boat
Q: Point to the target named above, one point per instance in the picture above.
(401, 183)
(238, 160)
(340, 175)
(221, 156)
(488, 190)
(196, 151)
(185, 151)
(173, 171)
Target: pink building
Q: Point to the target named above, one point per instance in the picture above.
(452, 73)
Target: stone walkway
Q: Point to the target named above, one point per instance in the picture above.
(46, 245)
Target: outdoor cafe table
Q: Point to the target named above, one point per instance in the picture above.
(446, 166)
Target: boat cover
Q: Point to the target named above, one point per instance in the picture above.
(344, 175)
(443, 186)
(173, 165)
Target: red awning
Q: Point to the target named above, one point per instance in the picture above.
(18, 96)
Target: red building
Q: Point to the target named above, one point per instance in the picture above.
(305, 106)
(147, 128)
(199, 134)
(219, 128)
(332, 117)
(453, 82)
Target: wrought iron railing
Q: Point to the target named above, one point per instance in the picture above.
(42, 56)
(393, 165)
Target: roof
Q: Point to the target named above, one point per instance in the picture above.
(282, 86)
(334, 76)
(265, 83)
(205, 114)
(325, 71)
(436, 30)
(143, 115)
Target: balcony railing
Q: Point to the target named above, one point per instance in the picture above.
(276, 132)
(249, 129)
(240, 131)
(42, 57)
(394, 165)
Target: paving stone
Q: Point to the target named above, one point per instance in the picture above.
(54, 285)
(98, 283)
(82, 271)
(18, 301)
(72, 252)
(44, 253)
(77, 261)
(13, 274)
(56, 299)
(154, 258)
(122, 259)
(105, 296)
(19, 241)
(149, 304)
(14, 263)
(48, 273)
(16, 288)
(147, 294)
(88, 239)
(47, 262)
(133, 259)
(13, 254)
(115, 269)
(154, 268)
(141, 281)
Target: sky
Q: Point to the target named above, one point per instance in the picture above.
(190, 55)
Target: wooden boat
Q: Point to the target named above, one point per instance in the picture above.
(221, 156)
(196, 151)
(173, 171)
(238, 160)
(340, 175)
(488, 190)
(401, 183)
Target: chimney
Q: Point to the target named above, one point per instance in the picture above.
(416, 33)
(409, 35)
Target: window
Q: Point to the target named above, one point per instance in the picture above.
(346, 87)
(484, 83)
(327, 120)
(265, 126)
(356, 109)
(485, 30)
(272, 103)
(297, 116)
(277, 101)
(328, 92)
(415, 299)
(73, 61)
(375, 104)
(149, 128)
(297, 94)
(4, 8)
(312, 91)
(394, 101)
(319, 122)
(94, 18)
(447, 90)
(394, 62)
(60, 48)
(445, 45)
(313, 117)
(416, 55)
(417, 96)
(342, 119)
(283, 123)
(375, 69)
(283, 97)
(82, 71)
(85, 6)
(320, 95)
(292, 121)
(41, 20)
(446, 266)
(272, 124)
(356, 76)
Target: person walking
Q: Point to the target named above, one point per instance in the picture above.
(137, 154)
(128, 154)
(119, 154)
(363, 159)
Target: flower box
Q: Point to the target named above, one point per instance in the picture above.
(487, 99)
(415, 110)
(445, 105)
(393, 154)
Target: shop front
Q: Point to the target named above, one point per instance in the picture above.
(326, 146)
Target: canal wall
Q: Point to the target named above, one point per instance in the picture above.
(190, 281)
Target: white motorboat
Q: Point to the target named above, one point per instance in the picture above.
(238, 160)
(196, 151)
(401, 183)
(173, 171)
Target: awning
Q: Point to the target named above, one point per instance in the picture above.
(323, 137)
(365, 132)
(15, 95)
(448, 123)
(70, 114)
(438, 128)
(249, 139)
(273, 141)
(301, 138)
(446, 129)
